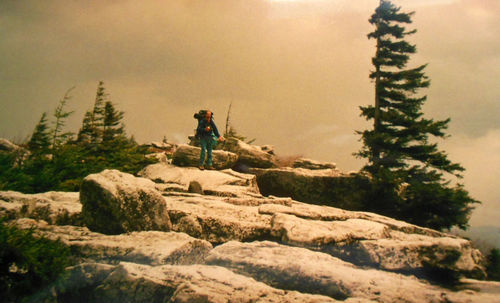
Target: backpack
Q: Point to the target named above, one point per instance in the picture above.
(201, 114)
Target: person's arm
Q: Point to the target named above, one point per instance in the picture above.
(214, 127)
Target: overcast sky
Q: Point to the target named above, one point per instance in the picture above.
(295, 71)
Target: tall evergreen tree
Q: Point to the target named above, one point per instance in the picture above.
(400, 155)
(39, 142)
(60, 115)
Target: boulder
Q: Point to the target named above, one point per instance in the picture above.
(187, 155)
(129, 282)
(312, 164)
(195, 187)
(145, 247)
(114, 202)
(212, 182)
(321, 186)
(306, 271)
(251, 155)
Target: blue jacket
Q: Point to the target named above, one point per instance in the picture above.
(202, 133)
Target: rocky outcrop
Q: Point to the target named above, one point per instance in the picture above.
(251, 155)
(217, 220)
(151, 239)
(146, 247)
(307, 271)
(114, 202)
(318, 186)
(361, 238)
(53, 207)
(164, 146)
(374, 244)
(312, 164)
(219, 183)
(187, 155)
(129, 282)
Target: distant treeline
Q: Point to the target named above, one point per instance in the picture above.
(54, 159)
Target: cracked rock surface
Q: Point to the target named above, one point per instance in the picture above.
(147, 239)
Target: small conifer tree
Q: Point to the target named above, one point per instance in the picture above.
(60, 115)
(97, 114)
(39, 142)
(112, 123)
(85, 131)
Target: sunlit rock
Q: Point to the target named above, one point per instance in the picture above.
(251, 155)
(306, 271)
(129, 282)
(213, 182)
(145, 247)
(114, 202)
(53, 207)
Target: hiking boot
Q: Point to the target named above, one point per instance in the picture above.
(210, 168)
(201, 167)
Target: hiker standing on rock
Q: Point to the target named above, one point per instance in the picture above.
(205, 131)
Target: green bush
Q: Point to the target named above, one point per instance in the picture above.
(28, 262)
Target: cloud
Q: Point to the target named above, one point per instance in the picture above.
(295, 73)
(481, 157)
(419, 3)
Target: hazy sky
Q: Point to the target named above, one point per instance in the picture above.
(295, 71)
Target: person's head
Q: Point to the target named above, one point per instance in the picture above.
(208, 115)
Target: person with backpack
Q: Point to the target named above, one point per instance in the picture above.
(205, 132)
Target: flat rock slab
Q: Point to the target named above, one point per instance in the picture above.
(213, 182)
(146, 247)
(404, 252)
(49, 206)
(211, 219)
(307, 271)
(373, 240)
(312, 164)
(301, 232)
(128, 282)
(327, 213)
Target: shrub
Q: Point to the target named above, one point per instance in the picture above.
(28, 262)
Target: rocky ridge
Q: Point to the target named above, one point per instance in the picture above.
(153, 238)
